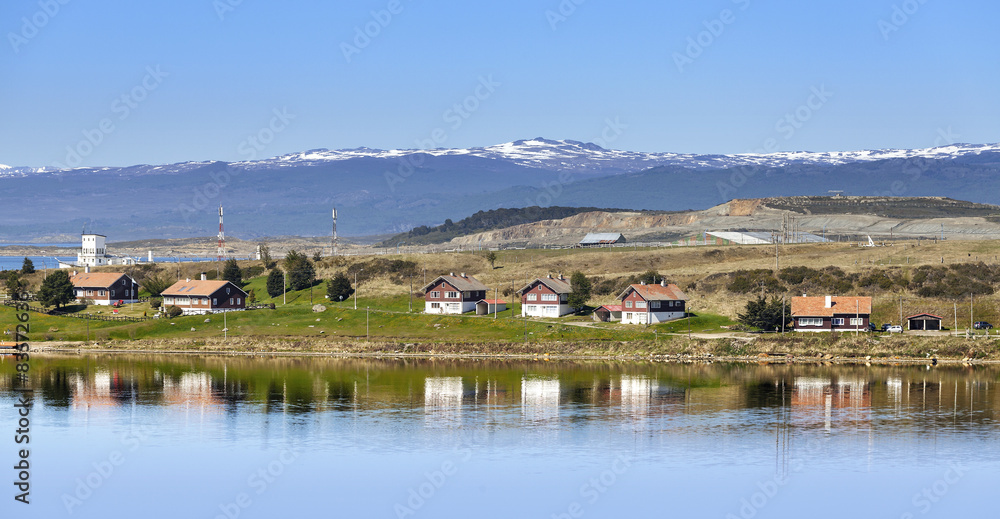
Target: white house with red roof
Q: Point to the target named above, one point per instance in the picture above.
(104, 288)
(652, 304)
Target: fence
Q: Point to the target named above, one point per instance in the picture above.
(90, 317)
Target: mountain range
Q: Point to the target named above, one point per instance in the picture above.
(387, 191)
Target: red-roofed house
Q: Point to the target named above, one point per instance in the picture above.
(205, 297)
(608, 313)
(651, 304)
(546, 297)
(105, 288)
(453, 294)
(830, 313)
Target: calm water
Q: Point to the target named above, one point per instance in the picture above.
(155, 436)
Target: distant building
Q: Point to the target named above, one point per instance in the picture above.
(453, 294)
(652, 304)
(923, 322)
(831, 313)
(105, 288)
(94, 253)
(546, 297)
(597, 239)
(205, 297)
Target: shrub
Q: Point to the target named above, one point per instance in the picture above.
(155, 303)
(174, 311)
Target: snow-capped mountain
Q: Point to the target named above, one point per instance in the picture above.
(569, 155)
(566, 155)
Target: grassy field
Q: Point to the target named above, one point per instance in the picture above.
(390, 297)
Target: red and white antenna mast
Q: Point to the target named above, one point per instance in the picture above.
(222, 237)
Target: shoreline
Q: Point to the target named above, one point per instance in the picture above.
(466, 351)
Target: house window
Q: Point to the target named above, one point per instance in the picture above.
(237, 300)
(215, 301)
(532, 297)
(838, 321)
(654, 304)
(628, 316)
(564, 298)
(640, 304)
(112, 293)
(628, 304)
(550, 297)
(857, 321)
(435, 305)
(101, 292)
(435, 293)
(230, 301)
(810, 321)
(532, 308)
(90, 292)
(451, 295)
(227, 290)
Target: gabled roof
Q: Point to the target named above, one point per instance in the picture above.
(594, 238)
(493, 301)
(611, 308)
(914, 316)
(198, 288)
(655, 292)
(815, 306)
(97, 279)
(463, 284)
(558, 285)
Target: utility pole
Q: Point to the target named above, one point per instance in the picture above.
(284, 286)
(368, 333)
(411, 293)
(900, 311)
(956, 318)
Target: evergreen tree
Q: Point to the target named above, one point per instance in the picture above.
(301, 274)
(28, 267)
(766, 315)
(156, 284)
(56, 290)
(581, 290)
(339, 288)
(265, 256)
(275, 283)
(15, 286)
(492, 258)
(231, 272)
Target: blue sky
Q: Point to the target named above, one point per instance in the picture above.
(231, 79)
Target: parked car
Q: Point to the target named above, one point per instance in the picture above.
(885, 327)
(982, 325)
(872, 327)
(895, 328)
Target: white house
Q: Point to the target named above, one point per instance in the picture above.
(652, 304)
(546, 297)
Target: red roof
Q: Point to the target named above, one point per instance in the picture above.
(656, 292)
(612, 308)
(494, 301)
(815, 306)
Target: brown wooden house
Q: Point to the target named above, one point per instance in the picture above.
(104, 288)
(831, 313)
(205, 297)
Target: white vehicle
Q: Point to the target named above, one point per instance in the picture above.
(895, 328)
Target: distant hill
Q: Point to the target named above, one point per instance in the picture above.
(485, 221)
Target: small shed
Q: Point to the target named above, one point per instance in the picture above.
(608, 313)
(923, 322)
(489, 306)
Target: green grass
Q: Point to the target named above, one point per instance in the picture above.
(700, 323)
